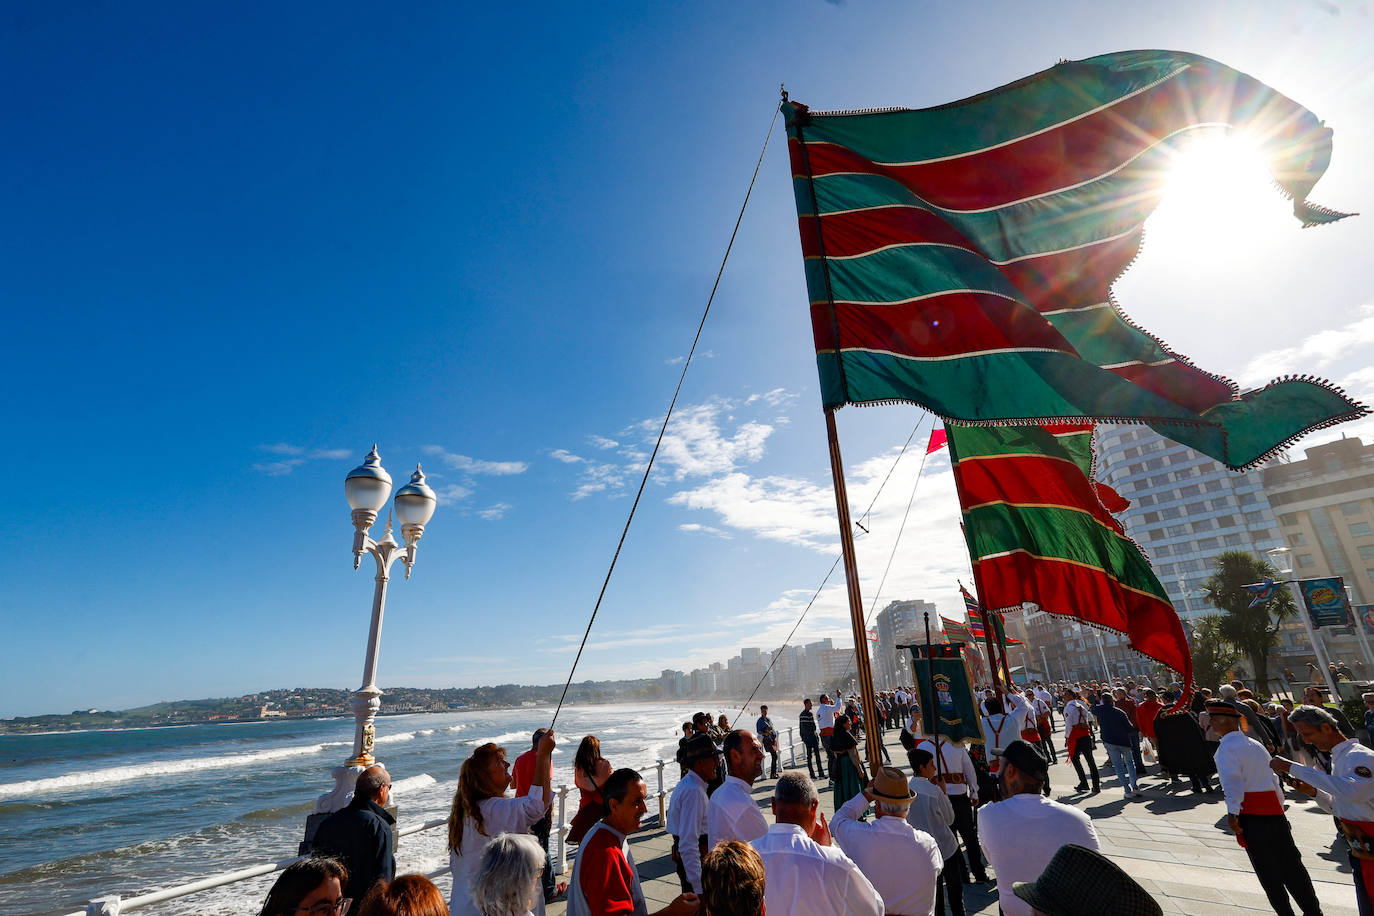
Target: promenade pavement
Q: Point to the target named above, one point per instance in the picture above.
(1175, 843)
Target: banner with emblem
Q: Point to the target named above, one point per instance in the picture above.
(1326, 602)
(947, 702)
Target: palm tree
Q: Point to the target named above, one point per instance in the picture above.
(1213, 654)
(1252, 631)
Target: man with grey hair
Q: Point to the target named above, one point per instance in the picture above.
(903, 863)
(806, 875)
(361, 834)
(1347, 791)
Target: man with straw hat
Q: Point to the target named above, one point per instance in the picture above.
(686, 820)
(1081, 882)
(902, 863)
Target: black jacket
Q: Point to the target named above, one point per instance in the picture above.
(359, 835)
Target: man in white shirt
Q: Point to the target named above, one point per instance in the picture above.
(931, 811)
(732, 813)
(960, 782)
(1347, 791)
(1004, 723)
(1022, 832)
(901, 862)
(825, 721)
(1078, 743)
(1038, 718)
(1254, 805)
(686, 820)
(805, 874)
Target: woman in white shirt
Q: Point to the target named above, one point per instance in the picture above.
(482, 811)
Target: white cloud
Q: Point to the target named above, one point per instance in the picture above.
(701, 440)
(774, 398)
(475, 465)
(494, 512)
(600, 478)
(705, 529)
(279, 468)
(1314, 352)
(694, 445)
(451, 494)
(777, 508)
(679, 360)
(640, 636)
(293, 456)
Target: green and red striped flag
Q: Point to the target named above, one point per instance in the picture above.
(1037, 531)
(962, 257)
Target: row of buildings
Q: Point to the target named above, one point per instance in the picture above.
(1310, 516)
(1313, 515)
(797, 670)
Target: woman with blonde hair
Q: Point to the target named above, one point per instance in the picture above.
(408, 895)
(481, 812)
(507, 879)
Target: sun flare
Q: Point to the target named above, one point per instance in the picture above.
(1218, 195)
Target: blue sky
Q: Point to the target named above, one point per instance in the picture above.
(244, 241)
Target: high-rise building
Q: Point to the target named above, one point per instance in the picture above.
(900, 623)
(1185, 509)
(788, 668)
(1325, 507)
(815, 666)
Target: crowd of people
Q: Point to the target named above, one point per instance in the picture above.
(894, 843)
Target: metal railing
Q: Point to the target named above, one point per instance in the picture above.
(114, 905)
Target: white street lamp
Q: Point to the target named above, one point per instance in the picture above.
(1279, 559)
(367, 488)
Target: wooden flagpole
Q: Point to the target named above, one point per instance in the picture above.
(856, 604)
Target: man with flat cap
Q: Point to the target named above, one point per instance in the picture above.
(902, 863)
(686, 820)
(1254, 805)
(1023, 831)
(1081, 882)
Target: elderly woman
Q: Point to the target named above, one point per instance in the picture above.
(507, 878)
(482, 812)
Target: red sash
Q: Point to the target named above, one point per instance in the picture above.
(1266, 802)
(1031, 734)
(1078, 731)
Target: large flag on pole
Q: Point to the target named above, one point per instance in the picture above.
(962, 257)
(1037, 531)
(951, 710)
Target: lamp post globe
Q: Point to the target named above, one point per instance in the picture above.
(415, 504)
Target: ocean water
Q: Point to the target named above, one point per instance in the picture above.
(126, 812)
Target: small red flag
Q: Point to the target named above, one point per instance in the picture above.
(938, 438)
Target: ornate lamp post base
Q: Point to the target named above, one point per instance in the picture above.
(366, 702)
